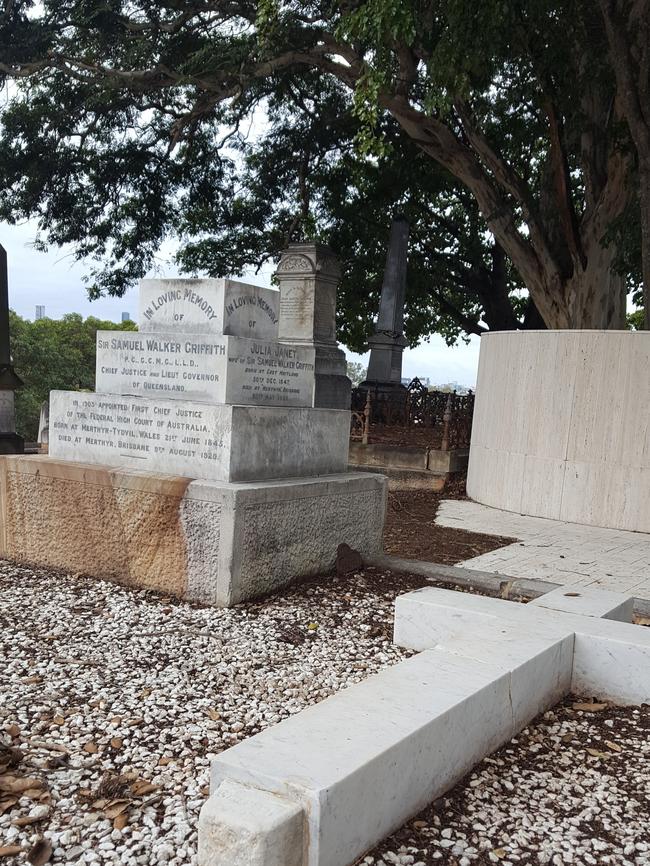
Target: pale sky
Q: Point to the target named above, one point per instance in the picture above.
(55, 280)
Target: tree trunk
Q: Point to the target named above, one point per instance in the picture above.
(628, 32)
(595, 296)
(644, 202)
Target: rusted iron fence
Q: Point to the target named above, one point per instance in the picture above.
(413, 416)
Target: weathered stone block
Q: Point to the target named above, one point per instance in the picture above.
(209, 306)
(197, 440)
(209, 369)
(206, 541)
(243, 826)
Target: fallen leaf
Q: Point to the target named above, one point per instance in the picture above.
(33, 793)
(10, 757)
(419, 825)
(499, 853)
(40, 853)
(13, 731)
(164, 761)
(590, 707)
(99, 804)
(7, 803)
(613, 746)
(117, 743)
(19, 784)
(33, 679)
(214, 715)
(312, 626)
(205, 790)
(26, 821)
(142, 787)
(58, 720)
(90, 747)
(133, 722)
(121, 821)
(57, 762)
(10, 850)
(116, 807)
(117, 720)
(596, 754)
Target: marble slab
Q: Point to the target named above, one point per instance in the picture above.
(209, 306)
(197, 440)
(587, 601)
(363, 761)
(210, 369)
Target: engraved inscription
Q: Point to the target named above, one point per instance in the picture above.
(215, 370)
(136, 428)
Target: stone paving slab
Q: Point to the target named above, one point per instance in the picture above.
(563, 553)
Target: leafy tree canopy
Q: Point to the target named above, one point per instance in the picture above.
(53, 354)
(501, 120)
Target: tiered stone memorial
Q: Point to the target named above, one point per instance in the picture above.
(200, 465)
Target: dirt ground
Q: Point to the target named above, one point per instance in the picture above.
(411, 532)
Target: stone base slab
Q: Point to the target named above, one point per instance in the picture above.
(197, 440)
(414, 457)
(212, 542)
(405, 479)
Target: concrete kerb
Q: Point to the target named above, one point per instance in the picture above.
(363, 761)
(498, 585)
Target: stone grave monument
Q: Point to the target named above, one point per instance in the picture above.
(200, 465)
(387, 343)
(308, 276)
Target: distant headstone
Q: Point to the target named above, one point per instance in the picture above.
(44, 423)
(388, 342)
(308, 276)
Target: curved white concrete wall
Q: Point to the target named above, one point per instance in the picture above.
(562, 426)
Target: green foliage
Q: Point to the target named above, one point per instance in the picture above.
(133, 128)
(635, 320)
(356, 373)
(53, 354)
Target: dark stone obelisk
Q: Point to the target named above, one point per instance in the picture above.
(10, 441)
(387, 343)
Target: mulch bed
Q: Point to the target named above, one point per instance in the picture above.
(411, 531)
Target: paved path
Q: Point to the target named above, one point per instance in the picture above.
(555, 551)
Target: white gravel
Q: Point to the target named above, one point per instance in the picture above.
(113, 701)
(573, 788)
(102, 684)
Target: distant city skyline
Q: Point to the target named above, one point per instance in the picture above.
(55, 280)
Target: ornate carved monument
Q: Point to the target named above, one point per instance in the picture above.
(308, 276)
